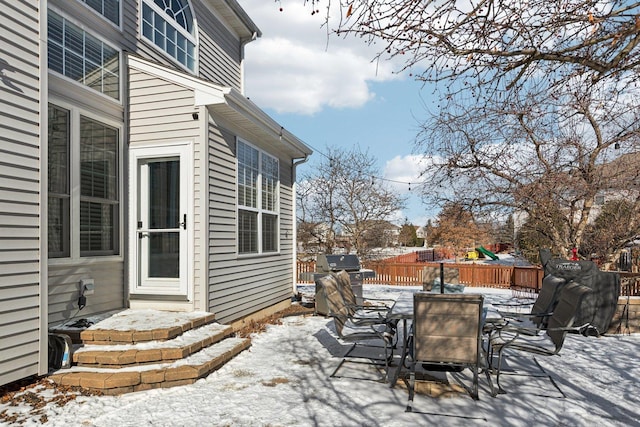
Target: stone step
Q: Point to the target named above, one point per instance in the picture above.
(135, 326)
(113, 381)
(122, 355)
(133, 350)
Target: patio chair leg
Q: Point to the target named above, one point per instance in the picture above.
(488, 356)
(350, 350)
(494, 391)
(333, 374)
(550, 377)
(500, 389)
(412, 383)
(474, 394)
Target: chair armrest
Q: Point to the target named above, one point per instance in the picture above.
(528, 316)
(368, 308)
(512, 304)
(517, 314)
(380, 299)
(384, 300)
(378, 316)
(522, 330)
(369, 321)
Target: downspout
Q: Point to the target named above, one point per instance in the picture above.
(294, 165)
(243, 42)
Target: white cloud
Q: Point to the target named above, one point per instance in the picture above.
(403, 175)
(292, 70)
(403, 172)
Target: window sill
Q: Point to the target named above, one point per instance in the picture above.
(258, 255)
(85, 260)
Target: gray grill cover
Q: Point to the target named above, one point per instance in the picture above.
(600, 305)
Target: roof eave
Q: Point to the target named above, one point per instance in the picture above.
(230, 105)
(235, 103)
(238, 18)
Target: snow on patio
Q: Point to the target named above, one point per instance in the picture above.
(283, 380)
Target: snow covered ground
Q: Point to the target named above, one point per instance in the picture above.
(283, 380)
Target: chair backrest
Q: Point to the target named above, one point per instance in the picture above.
(344, 286)
(566, 311)
(335, 301)
(547, 299)
(447, 327)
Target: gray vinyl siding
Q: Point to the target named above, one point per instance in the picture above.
(242, 285)
(220, 52)
(287, 200)
(64, 290)
(161, 111)
(20, 188)
(199, 225)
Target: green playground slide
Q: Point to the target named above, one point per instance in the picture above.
(487, 252)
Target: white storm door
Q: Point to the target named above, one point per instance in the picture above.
(162, 219)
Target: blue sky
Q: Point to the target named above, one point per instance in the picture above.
(328, 92)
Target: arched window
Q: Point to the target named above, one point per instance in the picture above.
(169, 25)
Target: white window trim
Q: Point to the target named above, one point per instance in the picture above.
(120, 16)
(106, 97)
(193, 37)
(74, 194)
(259, 210)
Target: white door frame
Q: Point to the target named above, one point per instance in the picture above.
(182, 288)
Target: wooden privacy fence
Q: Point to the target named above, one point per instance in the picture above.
(473, 275)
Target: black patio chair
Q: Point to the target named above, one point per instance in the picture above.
(540, 310)
(446, 333)
(373, 332)
(525, 339)
(378, 307)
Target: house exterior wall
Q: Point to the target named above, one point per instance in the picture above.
(65, 273)
(161, 112)
(22, 301)
(64, 289)
(220, 52)
(219, 55)
(240, 285)
(38, 292)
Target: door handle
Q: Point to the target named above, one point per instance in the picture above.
(184, 222)
(142, 234)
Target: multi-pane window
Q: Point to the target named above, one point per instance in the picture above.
(82, 57)
(58, 182)
(110, 9)
(83, 154)
(98, 188)
(269, 173)
(258, 185)
(169, 25)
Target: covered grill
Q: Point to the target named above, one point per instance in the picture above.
(599, 307)
(326, 264)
